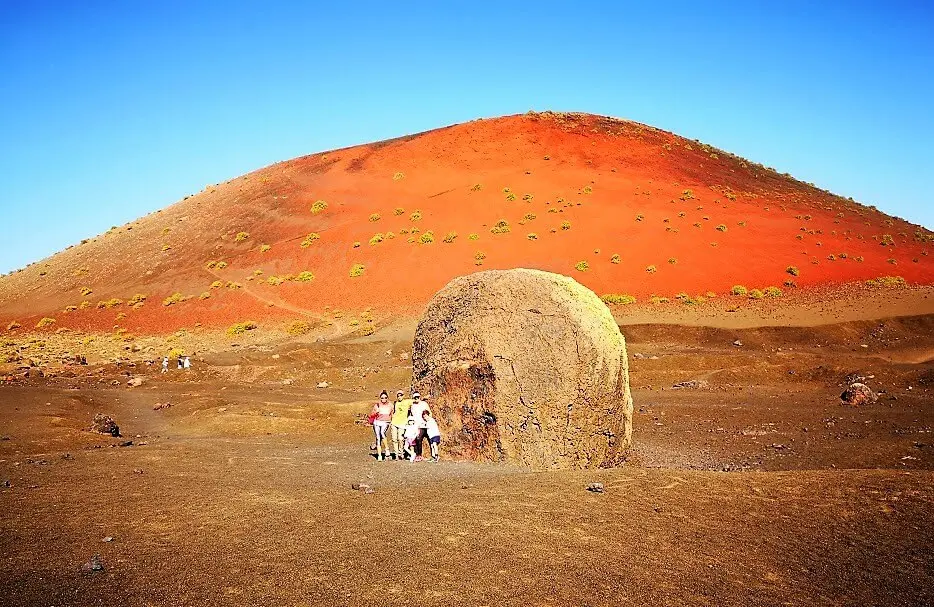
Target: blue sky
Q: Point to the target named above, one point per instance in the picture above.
(111, 110)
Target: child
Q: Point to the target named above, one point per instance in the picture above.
(410, 434)
(434, 434)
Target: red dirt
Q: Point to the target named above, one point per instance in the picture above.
(631, 168)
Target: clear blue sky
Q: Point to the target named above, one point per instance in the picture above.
(115, 109)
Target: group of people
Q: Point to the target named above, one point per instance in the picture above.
(407, 421)
(183, 363)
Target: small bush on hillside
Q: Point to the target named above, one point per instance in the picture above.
(217, 284)
(887, 240)
(739, 290)
(275, 281)
(672, 260)
(450, 237)
(205, 295)
(310, 239)
(887, 281)
(85, 291)
(45, 322)
(510, 196)
(298, 327)
(501, 227)
(473, 237)
(615, 258)
(390, 235)
(415, 216)
(756, 294)
(13, 325)
(264, 247)
(221, 265)
(565, 225)
(375, 217)
(582, 266)
(241, 236)
(619, 299)
(657, 299)
(398, 211)
(427, 238)
(687, 194)
(527, 197)
(70, 308)
(398, 175)
(376, 239)
(651, 269)
(356, 244)
(173, 299)
(721, 228)
(793, 270)
(234, 285)
(772, 292)
(305, 276)
(241, 328)
(476, 187)
(532, 236)
(109, 303)
(166, 247)
(587, 189)
(357, 270)
(529, 216)
(640, 217)
(84, 305)
(696, 224)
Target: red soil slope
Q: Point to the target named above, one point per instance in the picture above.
(581, 188)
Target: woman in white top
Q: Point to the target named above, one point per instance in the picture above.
(417, 412)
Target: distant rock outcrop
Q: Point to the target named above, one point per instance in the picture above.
(525, 366)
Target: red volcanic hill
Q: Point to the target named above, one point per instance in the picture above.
(620, 206)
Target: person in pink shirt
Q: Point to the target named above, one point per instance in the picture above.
(380, 417)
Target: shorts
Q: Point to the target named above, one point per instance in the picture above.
(434, 440)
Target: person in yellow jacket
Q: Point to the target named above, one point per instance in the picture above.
(400, 418)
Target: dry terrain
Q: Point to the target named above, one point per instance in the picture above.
(759, 488)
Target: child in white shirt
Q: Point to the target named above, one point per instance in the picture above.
(434, 434)
(410, 434)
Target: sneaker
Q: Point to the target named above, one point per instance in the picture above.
(434, 459)
(379, 457)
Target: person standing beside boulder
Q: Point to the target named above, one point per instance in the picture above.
(399, 419)
(417, 411)
(380, 416)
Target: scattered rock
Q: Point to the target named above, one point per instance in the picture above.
(857, 394)
(135, 382)
(4, 437)
(137, 471)
(691, 384)
(109, 538)
(323, 384)
(95, 564)
(222, 409)
(7, 484)
(67, 456)
(362, 487)
(105, 425)
(737, 342)
(288, 382)
(596, 488)
(638, 355)
(126, 443)
(159, 406)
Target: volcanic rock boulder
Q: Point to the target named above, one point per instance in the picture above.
(525, 366)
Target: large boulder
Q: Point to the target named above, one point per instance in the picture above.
(525, 366)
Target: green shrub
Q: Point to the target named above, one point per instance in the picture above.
(532, 236)
(205, 295)
(71, 308)
(298, 327)
(305, 276)
(619, 299)
(672, 260)
(241, 327)
(45, 322)
(529, 216)
(687, 194)
(375, 217)
(398, 211)
(587, 189)
(450, 237)
(565, 225)
(427, 238)
(275, 281)
(376, 238)
(398, 175)
(739, 290)
(721, 228)
(582, 266)
(772, 292)
(887, 281)
(357, 270)
(657, 299)
(221, 265)
(756, 294)
(415, 216)
(510, 196)
(793, 270)
(640, 217)
(318, 206)
(264, 247)
(476, 187)
(501, 227)
(85, 291)
(390, 235)
(241, 236)
(473, 237)
(651, 269)
(615, 259)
